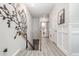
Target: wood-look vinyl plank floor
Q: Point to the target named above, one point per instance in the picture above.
(48, 49)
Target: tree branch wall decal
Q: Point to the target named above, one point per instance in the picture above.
(21, 26)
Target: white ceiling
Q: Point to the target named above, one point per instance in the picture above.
(39, 9)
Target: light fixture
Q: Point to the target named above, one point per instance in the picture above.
(43, 24)
(32, 4)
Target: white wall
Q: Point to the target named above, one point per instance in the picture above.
(59, 33)
(36, 28)
(67, 34)
(7, 37)
(74, 28)
(29, 26)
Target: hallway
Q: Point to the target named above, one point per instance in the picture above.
(23, 23)
(48, 49)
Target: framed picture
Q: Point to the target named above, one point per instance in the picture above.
(61, 17)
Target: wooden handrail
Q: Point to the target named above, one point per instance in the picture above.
(25, 36)
(30, 44)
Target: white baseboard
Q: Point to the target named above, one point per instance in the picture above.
(17, 51)
(63, 50)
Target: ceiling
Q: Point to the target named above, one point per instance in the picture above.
(39, 9)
